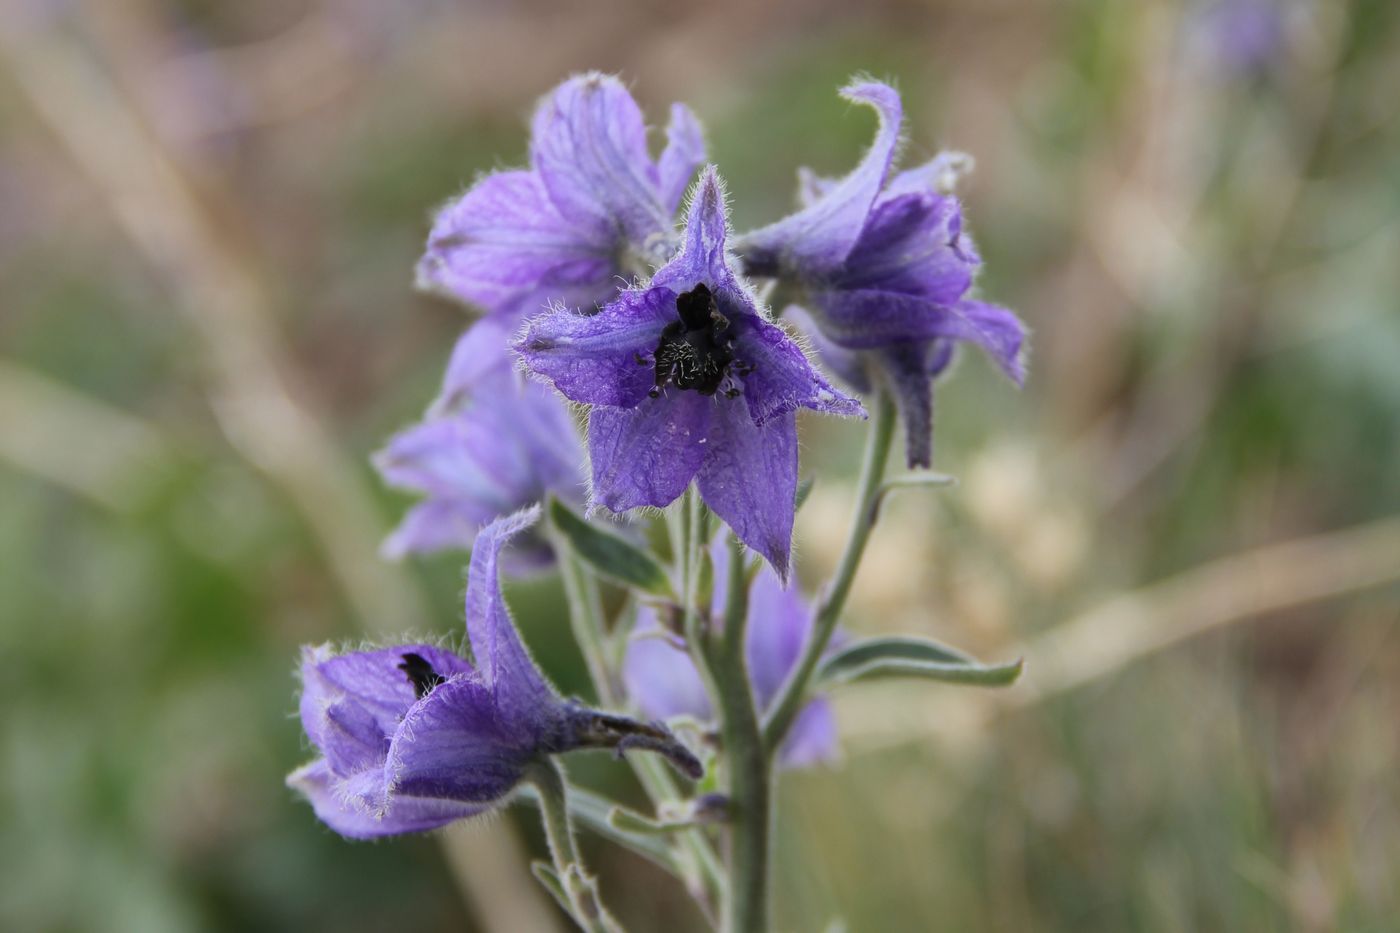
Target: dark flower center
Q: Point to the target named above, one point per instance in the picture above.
(696, 351)
(421, 674)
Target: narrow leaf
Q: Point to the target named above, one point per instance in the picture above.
(592, 810)
(610, 554)
(904, 656)
(546, 875)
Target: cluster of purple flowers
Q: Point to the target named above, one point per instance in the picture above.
(588, 287)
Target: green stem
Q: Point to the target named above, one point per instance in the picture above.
(746, 907)
(872, 472)
(579, 886)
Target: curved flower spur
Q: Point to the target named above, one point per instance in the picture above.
(415, 736)
(688, 379)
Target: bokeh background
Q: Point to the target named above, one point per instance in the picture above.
(1187, 521)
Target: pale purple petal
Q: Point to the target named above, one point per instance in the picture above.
(779, 623)
(435, 525)
(353, 820)
(646, 456)
(524, 700)
(480, 357)
(813, 737)
(460, 458)
(503, 247)
(594, 358)
(659, 675)
(589, 146)
(996, 330)
(817, 239)
(782, 378)
(749, 479)
(812, 187)
(684, 153)
(940, 175)
(455, 745)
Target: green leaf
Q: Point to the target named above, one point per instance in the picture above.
(592, 810)
(906, 656)
(546, 875)
(610, 554)
(911, 481)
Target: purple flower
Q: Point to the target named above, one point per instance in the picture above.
(663, 682)
(493, 442)
(594, 209)
(886, 270)
(688, 379)
(415, 736)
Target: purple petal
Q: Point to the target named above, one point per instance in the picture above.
(913, 244)
(684, 153)
(524, 700)
(594, 358)
(996, 330)
(646, 456)
(749, 479)
(846, 365)
(779, 623)
(906, 367)
(940, 174)
(703, 256)
(589, 146)
(659, 676)
(454, 745)
(812, 187)
(817, 239)
(813, 738)
(480, 358)
(351, 703)
(783, 379)
(432, 526)
(504, 247)
(453, 457)
(351, 819)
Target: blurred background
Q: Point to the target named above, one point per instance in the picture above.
(1188, 522)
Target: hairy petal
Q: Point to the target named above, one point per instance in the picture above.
(703, 256)
(524, 700)
(684, 153)
(783, 379)
(845, 364)
(816, 240)
(504, 247)
(749, 479)
(345, 814)
(455, 745)
(906, 368)
(594, 358)
(589, 146)
(646, 456)
(940, 174)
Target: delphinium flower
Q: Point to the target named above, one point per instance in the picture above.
(593, 211)
(493, 442)
(662, 680)
(883, 270)
(415, 736)
(688, 379)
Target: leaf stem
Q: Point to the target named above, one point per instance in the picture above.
(580, 887)
(877, 450)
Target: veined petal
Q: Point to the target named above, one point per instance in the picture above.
(659, 676)
(351, 703)
(353, 820)
(703, 256)
(646, 456)
(454, 746)
(454, 457)
(594, 358)
(749, 479)
(589, 145)
(845, 364)
(816, 240)
(913, 244)
(684, 153)
(525, 702)
(782, 378)
(504, 247)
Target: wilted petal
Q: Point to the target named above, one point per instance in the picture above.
(684, 153)
(504, 247)
(749, 479)
(813, 737)
(782, 378)
(589, 146)
(659, 675)
(523, 698)
(646, 456)
(817, 239)
(594, 358)
(455, 745)
(353, 820)
(351, 703)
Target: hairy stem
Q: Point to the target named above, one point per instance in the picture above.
(746, 908)
(872, 472)
(580, 888)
